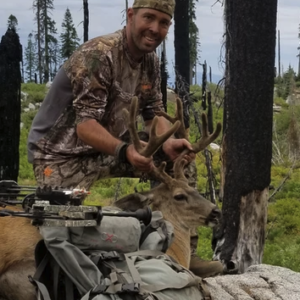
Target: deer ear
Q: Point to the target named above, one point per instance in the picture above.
(134, 201)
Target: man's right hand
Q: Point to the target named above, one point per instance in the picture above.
(142, 163)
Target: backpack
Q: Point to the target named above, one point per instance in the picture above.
(120, 259)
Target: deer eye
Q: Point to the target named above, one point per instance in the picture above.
(180, 197)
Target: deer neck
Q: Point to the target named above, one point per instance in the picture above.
(180, 249)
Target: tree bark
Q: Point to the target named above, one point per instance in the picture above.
(182, 54)
(247, 141)
(85, 20)
(38, 19)
(10, 105)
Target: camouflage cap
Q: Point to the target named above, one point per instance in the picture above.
(165, 6)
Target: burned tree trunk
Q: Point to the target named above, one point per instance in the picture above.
(247, 144)
(10, 107)
(85, 20)
(182, 55)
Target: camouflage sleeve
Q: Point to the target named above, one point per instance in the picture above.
(153, 99)
(90, 74)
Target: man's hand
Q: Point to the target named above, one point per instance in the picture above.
(174, 147)
(142, 163)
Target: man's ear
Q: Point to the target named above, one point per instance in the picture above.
(134, 201)
(130, 14)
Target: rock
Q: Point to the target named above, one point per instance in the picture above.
(31, 106)
(276, 108)
(48, 84)
(24, 96)
(260, 282)
(214, 146)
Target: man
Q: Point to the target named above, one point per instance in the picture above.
(78, 134)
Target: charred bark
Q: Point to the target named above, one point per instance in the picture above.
(85, 20)
(182, 55)
(247, 141)
(10, 105)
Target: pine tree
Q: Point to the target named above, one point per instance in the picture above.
(45, 36)
(30, 58)
(69, 38)
(12, 22)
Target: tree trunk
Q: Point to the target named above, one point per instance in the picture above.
(85, 20)
(38, 19)
(182, 54)
(247, 141)
(47, 63)
(10, 105)
(164, 76)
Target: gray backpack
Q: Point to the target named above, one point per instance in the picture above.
(120, 259)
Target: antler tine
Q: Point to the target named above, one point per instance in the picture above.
(179, 168)
(155, 141)
(181, 133)
(160, 174)
(131, 119)
(206, 138)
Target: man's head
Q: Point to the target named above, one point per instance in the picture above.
(148, 25)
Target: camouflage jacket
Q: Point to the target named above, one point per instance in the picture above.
(97, 82)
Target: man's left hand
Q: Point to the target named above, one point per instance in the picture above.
(174, 147)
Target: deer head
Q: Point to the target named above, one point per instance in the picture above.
(180, 204)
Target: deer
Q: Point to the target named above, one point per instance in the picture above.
(179, 203)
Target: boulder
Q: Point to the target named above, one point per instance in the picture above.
(259, 282)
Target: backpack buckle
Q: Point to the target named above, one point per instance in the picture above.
(130, 288)
(110, 255)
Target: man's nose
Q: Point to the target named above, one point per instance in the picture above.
(154, 28)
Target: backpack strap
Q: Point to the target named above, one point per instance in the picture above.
(41, 288)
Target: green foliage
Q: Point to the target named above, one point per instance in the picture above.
(284, 252)
(283, 84)
(283, 234)
(30, 58)
(25, 168)
(204, 249)
(36, 93)
(69, 38)
(280, 102)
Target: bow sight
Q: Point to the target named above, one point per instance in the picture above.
(57, 207)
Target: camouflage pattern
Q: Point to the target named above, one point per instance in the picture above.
(104, 78)
(165, 6)
(82, 172)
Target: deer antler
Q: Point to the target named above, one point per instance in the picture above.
(178, 117)
(155, 141)
(206, 138)
(204, 141)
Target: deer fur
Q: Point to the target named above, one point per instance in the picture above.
(18, 240)
(180, 204)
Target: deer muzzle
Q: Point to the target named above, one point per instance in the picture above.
(213, 218)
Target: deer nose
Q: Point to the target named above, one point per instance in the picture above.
(213, 218)
(216, 213)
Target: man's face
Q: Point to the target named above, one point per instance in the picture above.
(148, 28)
